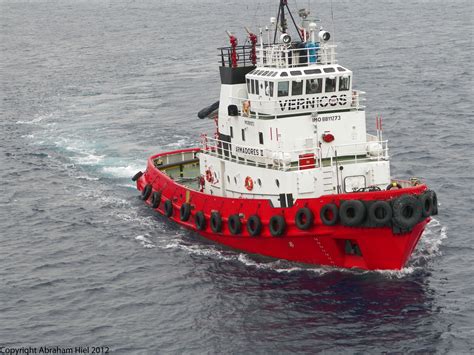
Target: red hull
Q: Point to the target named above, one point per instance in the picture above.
(320, 244)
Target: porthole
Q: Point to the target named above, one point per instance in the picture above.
(259, 182)
(228, 179)
(235, 180)
(277, 182)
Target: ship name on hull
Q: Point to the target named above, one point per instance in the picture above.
(249, 151)
(313, 102)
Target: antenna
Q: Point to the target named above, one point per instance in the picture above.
(333, 26)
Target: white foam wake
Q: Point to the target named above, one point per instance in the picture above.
(430, 243)
(427, 249)
(145, 242)
(36, 120)
(121, 171)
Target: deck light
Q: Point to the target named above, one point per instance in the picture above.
(286, 39)
(324, 36)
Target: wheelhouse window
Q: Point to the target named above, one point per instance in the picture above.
(256, 88)
(313, 71)
(252, 82)
(330, 85)
(248, 85)
(283, 88)
(314, 86)
(344, 83)
(269, 88)
(297, 87)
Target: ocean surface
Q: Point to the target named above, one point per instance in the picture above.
(90, 89)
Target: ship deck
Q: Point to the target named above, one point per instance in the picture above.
(182, 167)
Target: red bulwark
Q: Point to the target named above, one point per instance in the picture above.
(338, 246)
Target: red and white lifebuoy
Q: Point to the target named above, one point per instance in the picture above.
(249, 183)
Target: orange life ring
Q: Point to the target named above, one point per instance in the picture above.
(249, 183)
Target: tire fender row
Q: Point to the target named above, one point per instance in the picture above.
(401, 213)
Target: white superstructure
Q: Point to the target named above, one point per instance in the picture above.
(290, 124)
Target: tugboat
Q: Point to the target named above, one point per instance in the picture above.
(290, 172)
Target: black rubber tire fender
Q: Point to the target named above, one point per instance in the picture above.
(155, 199)
(427, 206)
(304, 218)
(379, 213)
(407, 211)
(235, 224)
(352, 213)
(137, 176)
(329, 214)
(254, 225)
(435, 202)
(146, 192)
(168, 207)
(200, 220)
(185, 212)
(216, 222)
(277, 225)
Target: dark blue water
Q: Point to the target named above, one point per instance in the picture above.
(89, 89)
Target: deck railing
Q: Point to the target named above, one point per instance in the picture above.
(280, 56)
(361, 152)
(357, 99)
(298, 159)
(243, 56)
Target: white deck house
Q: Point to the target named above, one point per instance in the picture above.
(290, 125)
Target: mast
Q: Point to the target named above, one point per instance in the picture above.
(282, 22)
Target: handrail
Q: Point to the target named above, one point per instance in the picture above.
(280, 56)
(243, 56)
(298, 159)
(367, 151)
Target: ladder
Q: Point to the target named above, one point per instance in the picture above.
(328, 181)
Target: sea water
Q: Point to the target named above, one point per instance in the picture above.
(90, 89)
